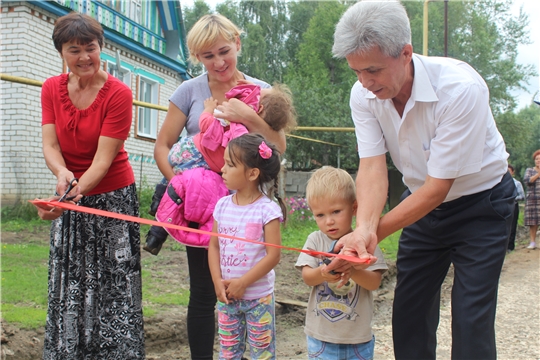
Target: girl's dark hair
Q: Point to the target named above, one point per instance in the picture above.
(77, 27)
(245, 149)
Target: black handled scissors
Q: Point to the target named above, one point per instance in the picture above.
(71, 185)
(326, 260)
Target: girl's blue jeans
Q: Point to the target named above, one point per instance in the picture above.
(251, 321)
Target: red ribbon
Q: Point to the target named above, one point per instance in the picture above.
(114, 215)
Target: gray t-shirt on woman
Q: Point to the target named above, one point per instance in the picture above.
(190, 95)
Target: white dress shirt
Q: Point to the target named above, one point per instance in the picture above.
(447, 130)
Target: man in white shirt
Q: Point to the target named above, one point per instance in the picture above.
(433, 116)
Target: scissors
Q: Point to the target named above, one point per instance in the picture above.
(71, 185)
(325, 259)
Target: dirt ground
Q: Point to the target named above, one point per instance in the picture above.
(518, 325)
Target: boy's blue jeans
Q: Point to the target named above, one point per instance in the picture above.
(322, 350)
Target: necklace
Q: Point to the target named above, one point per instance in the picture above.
(235, 199)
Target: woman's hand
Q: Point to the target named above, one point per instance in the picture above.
(51, 212)
(235, 110)
(64, 177)
(48, 212)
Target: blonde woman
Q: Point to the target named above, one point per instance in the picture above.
(215, 42)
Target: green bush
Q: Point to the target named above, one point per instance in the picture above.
(21, 211)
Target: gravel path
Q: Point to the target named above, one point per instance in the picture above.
(518, 312)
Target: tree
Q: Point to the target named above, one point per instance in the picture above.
(291, 41)
(485, 35)
(521, 132)
(191, 15)
(321, 85)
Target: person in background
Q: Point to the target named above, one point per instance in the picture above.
(338, 317)
(206, 148)
(214, 41)
(243, 272)
(520, 197)
(95, 292)
(432, 115)
(532, 204)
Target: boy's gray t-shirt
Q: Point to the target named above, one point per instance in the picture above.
(338, 316)
(190, 95)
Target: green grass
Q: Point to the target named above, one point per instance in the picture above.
(24, 284)
(521, 217)
(27, 316)
(389, 246)
(296, 231)
(153, 291)
(36, 225)
(22, 216)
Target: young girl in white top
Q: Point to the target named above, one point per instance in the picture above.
(242, 272)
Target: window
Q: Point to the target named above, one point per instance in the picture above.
(135, 11)
(123, 75)
(147, 118)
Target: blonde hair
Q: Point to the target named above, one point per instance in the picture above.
(278, 109)
(330, 183)
(207, 30)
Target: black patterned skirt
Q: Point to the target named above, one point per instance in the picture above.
(95, 294)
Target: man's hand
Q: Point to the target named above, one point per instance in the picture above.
(358, 244)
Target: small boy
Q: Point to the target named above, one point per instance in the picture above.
(338, 318)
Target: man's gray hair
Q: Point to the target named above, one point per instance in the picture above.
(370, 23)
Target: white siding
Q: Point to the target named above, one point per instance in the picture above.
(27, 51)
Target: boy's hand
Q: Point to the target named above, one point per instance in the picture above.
(329, 275)
(235, 288)
(345, 276)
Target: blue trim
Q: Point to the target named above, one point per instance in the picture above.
(59, 10)
(111, 59)
(149, 75)
(167, 13)
(144, 51)
(127, 20)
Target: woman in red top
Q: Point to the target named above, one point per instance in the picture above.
(95, 307)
